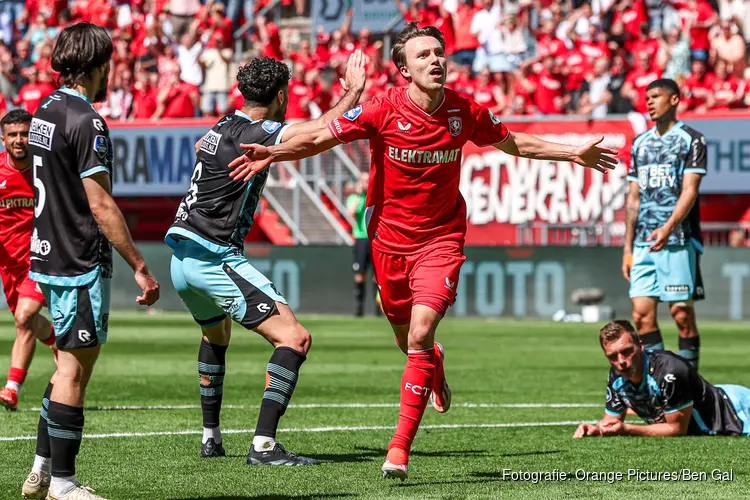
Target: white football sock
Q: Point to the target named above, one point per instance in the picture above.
(41, 464)
(13, 385)
(214, 434)
(61, 486)
(263, 443)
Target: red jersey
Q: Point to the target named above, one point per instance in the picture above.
(413, 196)
(300, 97)
(724, 92)
(548, 94)
(30, 95)
(699, 89)
(16, 214)
(639, 78)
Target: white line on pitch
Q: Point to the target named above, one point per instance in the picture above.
(310, 429)
(335, 405)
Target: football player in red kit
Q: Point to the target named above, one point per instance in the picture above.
(416, 216)
(23, 295)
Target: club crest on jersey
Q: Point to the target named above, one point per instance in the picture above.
(100, 146)
(271, 126)
(455, 125)
(353, 113)
(494, 118)
(210, 142)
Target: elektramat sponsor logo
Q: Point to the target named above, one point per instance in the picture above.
(415, 156)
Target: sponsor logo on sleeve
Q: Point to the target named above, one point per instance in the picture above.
(353, 113)
(101, 146)
(494, 118)
(271, 126)
(98, 124)
(40, 133)
(210, 142)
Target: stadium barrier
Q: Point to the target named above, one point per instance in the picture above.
(495, 281)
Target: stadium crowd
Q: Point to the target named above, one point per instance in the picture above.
(176, 58)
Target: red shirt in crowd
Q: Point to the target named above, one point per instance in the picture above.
(698, 89)
(300, 97)
(144, 102)
(30, 95)
(549, 92)
(702, 13)
(724, 92)
(639, 78)
(549, 45)
(273, 48)
(464, 39)
(179, 104)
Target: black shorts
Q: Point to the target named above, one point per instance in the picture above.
(362, 256)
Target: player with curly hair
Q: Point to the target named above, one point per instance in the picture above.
(210, 272)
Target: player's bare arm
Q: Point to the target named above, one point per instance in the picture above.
(676, 425)
(109, 218)
(594, 430)
(685, 202)
(354, 83)
(632, 205)
(589, 155)
(259, 158)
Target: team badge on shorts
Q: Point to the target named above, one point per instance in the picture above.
(454, 125)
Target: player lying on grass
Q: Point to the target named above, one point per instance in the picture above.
(211, 274)
(416, 214)
(664, 390)
(25, 298)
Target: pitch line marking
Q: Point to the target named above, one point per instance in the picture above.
(310, 429)
(330, 405)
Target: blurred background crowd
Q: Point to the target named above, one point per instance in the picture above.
(177, 58)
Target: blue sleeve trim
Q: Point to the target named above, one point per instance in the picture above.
(681, 407)
(701, 171)
(613, 413)
(280, 137)
(95, 170)
(632, 178)
(83, 279)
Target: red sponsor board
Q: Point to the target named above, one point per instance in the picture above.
(503, 191)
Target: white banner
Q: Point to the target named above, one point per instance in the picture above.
(374, 15)
(727, 154)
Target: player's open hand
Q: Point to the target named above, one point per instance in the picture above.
(355, 71)
(611, 427)
(591, 155)
(659, 238)
(256, 159)
(586, 430)
(149, 287)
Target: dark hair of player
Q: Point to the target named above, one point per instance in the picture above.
(15, 116)
(669, 86)
(261, 79)
(412, 31)
(80, 48)
(613, 330)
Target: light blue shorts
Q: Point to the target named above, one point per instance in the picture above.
(740, 398)
(80, 314)
(672, 274)
(214, 285)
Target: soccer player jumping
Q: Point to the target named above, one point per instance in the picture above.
(417, 216)
(23, 295)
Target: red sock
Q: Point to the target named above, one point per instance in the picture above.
(415, 392)
(17, 375)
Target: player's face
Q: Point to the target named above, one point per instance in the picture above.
(103, 84)
(660, 103)
(425, 63)
(16, 140)
(625, 356)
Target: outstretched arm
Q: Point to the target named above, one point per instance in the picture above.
(355, 85)
(589, 155)
(594, 430)
(676, 424)
(259, 158)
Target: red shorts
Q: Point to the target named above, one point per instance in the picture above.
(428, 278)
(18, 285)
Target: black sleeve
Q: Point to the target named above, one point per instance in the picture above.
(614, 405)
(88, 136)
(267, 133)
(675, 385)
(696, 161)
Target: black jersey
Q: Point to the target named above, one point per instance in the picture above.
(68, 141)
(658, 164)
(670, 384)
(217, 211)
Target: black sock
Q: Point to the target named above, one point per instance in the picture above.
(690, 350)
(282, 373)
(65, 427)
(653, 340)
(359, 297)
(211, 363)
(42, 436)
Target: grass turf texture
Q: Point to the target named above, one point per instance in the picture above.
(152, 361)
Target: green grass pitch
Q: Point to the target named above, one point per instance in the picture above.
(518, 387)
